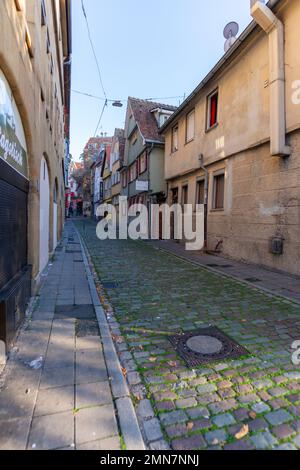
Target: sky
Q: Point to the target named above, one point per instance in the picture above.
(146, 49)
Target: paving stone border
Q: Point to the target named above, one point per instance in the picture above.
(132, 424)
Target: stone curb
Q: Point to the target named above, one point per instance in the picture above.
(265, 290)
(128, 421)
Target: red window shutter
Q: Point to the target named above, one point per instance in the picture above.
(213, 110)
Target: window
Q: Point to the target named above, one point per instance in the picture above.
(175, 139)
(124, 179)
(143, 163)
(163, 119)
(174, 195)
(55, 194)
(212, 115)
(134, 138)
(43, 13)
(29, 43)
(219, 190)
(200, 193)
(19, 5)
(184, 195)
(48, 42)
(133, 172)
(190, 126)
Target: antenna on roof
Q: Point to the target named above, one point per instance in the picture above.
(230, 32)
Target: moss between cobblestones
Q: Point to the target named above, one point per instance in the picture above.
(161, 294)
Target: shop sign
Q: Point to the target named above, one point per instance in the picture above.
(13, 148)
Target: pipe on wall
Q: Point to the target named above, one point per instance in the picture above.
(205, 170)
(274, 28)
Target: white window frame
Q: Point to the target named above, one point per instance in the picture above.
(192, 136)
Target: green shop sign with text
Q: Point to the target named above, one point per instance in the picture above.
(12, 138)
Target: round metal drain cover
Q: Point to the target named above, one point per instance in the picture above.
(204, 345)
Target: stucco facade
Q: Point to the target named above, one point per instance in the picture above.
(262, 192)
(32, 53)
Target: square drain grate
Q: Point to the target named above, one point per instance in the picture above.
(206, 345)
(110, 285)
(80, 312)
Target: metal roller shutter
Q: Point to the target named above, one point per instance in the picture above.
(13, 231)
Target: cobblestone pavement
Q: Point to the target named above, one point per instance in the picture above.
(250, 403)
(286, 285)
(66, 402)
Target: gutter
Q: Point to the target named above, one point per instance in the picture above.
(274, 28)
(245, 34)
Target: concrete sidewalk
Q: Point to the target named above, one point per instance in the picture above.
(277, 283)
(64, 400)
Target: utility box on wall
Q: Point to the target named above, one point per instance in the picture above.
(276, 246)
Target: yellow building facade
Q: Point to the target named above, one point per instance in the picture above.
(227, 133)
(35, 48)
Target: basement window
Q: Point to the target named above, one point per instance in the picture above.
(219, 191)
(212, 110)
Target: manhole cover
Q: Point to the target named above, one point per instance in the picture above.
(253, 279)
(206, 345)
(75, 311)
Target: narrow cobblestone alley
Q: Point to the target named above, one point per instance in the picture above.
(249, 403)
(56, 389)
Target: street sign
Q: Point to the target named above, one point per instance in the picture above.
(142, 186)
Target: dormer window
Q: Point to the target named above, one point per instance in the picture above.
(163, 119)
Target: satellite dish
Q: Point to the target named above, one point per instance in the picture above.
(231, 30)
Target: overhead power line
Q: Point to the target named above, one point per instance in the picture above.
(100, 119)
(125, 100)
(93, 49)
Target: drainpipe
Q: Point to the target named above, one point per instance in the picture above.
(274, 28)
(203, 168)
